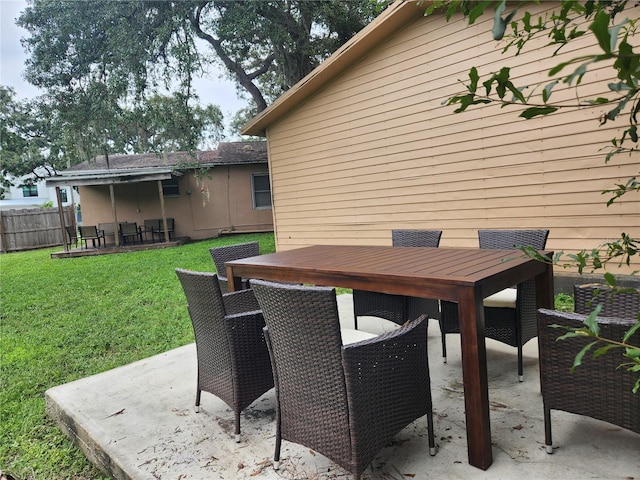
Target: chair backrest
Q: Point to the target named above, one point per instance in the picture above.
(622, 304)
(71, 231)
(152, 224)
(129, 228)
(416, 238)
(88, 231)
(597, 388)
(226, 253)
(107, 228)
(206, 309)
(303, 334)
(512, 239)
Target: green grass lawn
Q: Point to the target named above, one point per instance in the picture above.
(66, 319)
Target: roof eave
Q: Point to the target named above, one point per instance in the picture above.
(95, 178)
(394, 17)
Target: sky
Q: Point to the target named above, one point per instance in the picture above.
(211, 90)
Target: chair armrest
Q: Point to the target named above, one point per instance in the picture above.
(240, 301)
(389, 373)
(249, 354)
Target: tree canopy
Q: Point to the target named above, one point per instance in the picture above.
(135, 46)
(40, 136)
(118, 76)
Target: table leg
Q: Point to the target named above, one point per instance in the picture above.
(234, 283)
(474, 373)
(544, 288)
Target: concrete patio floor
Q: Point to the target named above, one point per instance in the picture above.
(138, 422)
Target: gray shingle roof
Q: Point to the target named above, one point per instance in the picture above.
(227, 153)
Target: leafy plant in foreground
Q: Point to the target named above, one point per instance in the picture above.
(613, 37)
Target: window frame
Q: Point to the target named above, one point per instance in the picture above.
(170, 188)
(255, 191)
(28, 190)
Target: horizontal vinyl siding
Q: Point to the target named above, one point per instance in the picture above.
(376, 149)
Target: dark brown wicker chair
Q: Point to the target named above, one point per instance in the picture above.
(233, 361)
(221, 255)
(597, 388)
(623, 304)
(398, 308)
(344, 401)
(514, 321)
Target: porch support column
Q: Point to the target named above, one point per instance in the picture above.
(116, 234)
(62, 223)
(164, 214)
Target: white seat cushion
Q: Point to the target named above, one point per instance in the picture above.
(503, 299)
(350, 335)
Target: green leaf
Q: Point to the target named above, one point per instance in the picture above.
(570, 335)
(478, 10)
(474, 77)
(630, 333)
(591, 320)
(558, 68)
(613, 35)
(610, 279)
(619, 87)
(602, 350)
(600, 28)
(499, 23)
(537, 111)
(578, 360)
(546, 93)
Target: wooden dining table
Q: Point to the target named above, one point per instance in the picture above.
(462, 275)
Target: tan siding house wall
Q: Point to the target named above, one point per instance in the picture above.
(375, 149)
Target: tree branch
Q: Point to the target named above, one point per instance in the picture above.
(244, 79)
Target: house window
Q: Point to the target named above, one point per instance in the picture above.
(63, 195)
(30, 191)
(261, 190)
(170, 188)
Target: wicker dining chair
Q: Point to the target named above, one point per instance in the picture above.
(510, 315)
(221, 255)
(344, 401)
(233, 361)
(598, 388)
(624, 303)
(398, 308)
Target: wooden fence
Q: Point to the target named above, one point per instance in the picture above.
(25, 229)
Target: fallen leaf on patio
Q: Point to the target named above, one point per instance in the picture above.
(409, 475)
(312, 453)
(518, 427)
(240, 466)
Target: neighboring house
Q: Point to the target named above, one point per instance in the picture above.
(37, 195)
(207, 193)
(364, 143)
